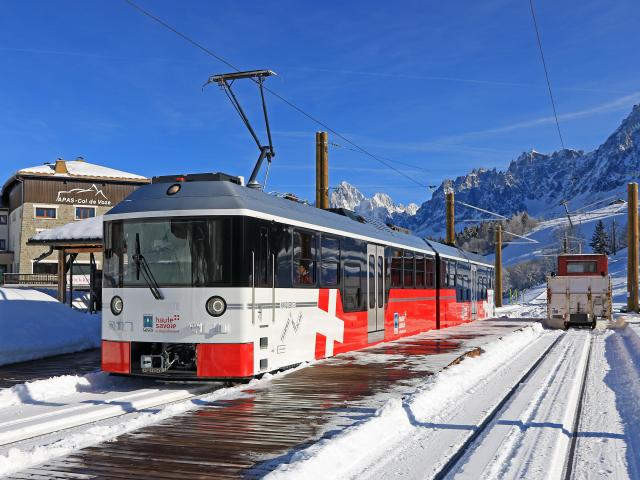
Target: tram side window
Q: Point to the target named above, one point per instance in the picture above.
(419, 271)
(396, 268)
(443, 279)
(113, 251)
(304, 254)
(451, 274)
(281, 247)
(467, 282)
(409, 269)
(352, 291)
(330, 261)
(430, 274)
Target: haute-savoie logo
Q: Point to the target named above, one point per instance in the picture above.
(86, 196)
(151, 323)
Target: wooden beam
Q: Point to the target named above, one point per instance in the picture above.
(62, 277)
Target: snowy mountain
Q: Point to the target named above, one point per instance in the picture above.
(380, 206)
(538, 182)
(535, 182)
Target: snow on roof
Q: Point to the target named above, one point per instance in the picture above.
(88, 229)
(81, 168)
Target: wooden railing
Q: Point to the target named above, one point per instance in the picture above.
(29, 279)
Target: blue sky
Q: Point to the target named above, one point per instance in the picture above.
(443, 87)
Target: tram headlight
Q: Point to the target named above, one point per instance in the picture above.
(116, 305)
(216, 306)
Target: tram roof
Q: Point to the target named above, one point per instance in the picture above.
(220, 197)
(449, 251)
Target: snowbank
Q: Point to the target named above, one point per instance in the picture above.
(58, 387)
(35, 325)
(344, 455)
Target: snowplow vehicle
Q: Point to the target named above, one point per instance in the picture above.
(580, 292)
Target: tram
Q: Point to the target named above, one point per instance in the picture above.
(206, 278)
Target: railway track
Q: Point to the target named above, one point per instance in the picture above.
(249, 434)
(534, 428)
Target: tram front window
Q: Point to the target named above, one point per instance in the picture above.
(179, 252)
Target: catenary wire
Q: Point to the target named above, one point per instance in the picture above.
(546, 72)
(272, 92)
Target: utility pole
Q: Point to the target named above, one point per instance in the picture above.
(322, 170)
(565, 244)
(614, 247)
(632, 249)
(450, 218)
(498, 290)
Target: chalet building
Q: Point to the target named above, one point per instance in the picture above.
(46, 196)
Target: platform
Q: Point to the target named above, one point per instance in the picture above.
(249, 435)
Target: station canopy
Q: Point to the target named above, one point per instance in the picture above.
(83, 232)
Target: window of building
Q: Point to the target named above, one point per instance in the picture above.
(3, 219)
(304, 254)
(329, 261)
(45, 268)
(85, 212)
(3, 244)
(46, 212)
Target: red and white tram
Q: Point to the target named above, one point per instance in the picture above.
(206, 278)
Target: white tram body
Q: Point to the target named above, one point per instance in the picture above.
(205, 278)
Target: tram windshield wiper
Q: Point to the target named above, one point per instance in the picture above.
(143, 266)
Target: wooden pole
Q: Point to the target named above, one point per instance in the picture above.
(450, 219)
(325, 171)
(322, 170)
(62, 287)
(497, 295)
(632, 265)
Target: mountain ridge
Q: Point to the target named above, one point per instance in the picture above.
(534, 182)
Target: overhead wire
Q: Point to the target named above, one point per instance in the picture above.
(272, 92)
(546, 71)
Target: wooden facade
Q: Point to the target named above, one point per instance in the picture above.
(56, 190)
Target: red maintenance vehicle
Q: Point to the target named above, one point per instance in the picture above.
(579, 293)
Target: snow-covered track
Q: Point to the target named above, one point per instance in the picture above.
(48, 406)
(533, 434)
(78, 363)
(453, 461)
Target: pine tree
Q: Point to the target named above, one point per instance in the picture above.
(600, 242)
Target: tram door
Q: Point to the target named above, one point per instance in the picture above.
(474, 292)
(375, 292)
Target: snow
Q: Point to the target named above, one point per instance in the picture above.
(547, 234)
(97, 427)
(80, 168)
(87, 229)
(348, 454)
(35, 325)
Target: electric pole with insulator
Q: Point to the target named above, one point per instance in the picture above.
(322, 170)
(450, 213)
(498, 292)
(632, 249)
